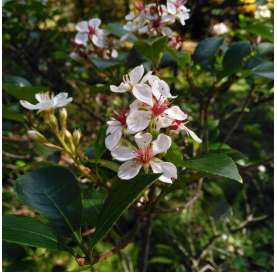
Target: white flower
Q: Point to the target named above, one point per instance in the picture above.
(158, 110)
(220, 29)
(135, 82)
(115, 129)
(262, 12)
(90, 30)
(144, 156)
(177, 9)
(178, 126)
(47, 101)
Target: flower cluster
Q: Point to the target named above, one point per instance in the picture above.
(154, 19)
(130, 132)
(92, 40)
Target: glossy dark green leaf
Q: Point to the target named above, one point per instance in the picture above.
(25, 93)
(92, 205)
(181, 58)
(54, 192)
(265, 48)
(206, 50)
(103, 64)
(265, 69)
(10, 114)
(152, 49)
(234, 57)
(28, 231)
(116, 29)
(123, 194)
(17, 81)
(174, 154)
(215, 164)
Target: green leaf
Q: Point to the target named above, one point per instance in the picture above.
(103, 64)
(9, 113)
(17, 81)
(152, 49)
(24, 93)
(215, 164)
(181, 58)
(265, 30)
(92, 205)
(265, 69)
(54, 192)
(123, 194)
(116, 29)
(265, 48)
(234, 57)
(28, 231)
(174, 154)
(206, 50)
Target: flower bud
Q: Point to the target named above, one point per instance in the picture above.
(76, 136)
(35, 135)
(53, 121)
(63, 118)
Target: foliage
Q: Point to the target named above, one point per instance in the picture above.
(65, 207)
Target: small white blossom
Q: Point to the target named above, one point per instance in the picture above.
(177, 9)
(135, 82)
(220, 29)
(157, 110)
(115, 129)
(47, 101)
(90, 30)
(262, 12)
(144, 156)
(177, 126)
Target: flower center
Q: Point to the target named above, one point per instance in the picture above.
(159, 107)
(156, 23)
(176, 124)
(121, 116)
(144, 155)
(91, 31)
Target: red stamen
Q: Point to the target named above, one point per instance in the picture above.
(121, 117)
(91, 31)
(159, 107)
(144, 155)
(176, 124)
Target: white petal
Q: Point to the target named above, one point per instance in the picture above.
(94, 22)
(143, 93)
(63, 103)
(123, 153)
(46, 105)
(162, 87)
(82, 26)
(176, 113)
(143, 139)
(129, 169)
(171, 8)
(113, 139)
(169, 171)
(138, 120)
(163, 121)
(193, 135)
(161, 144)
(113, 126)
(60, 97)
(28, 105)
(42, 97)
(81, 38)
(122, 88)
(166, 31)
(136, 74)
(98, 40)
